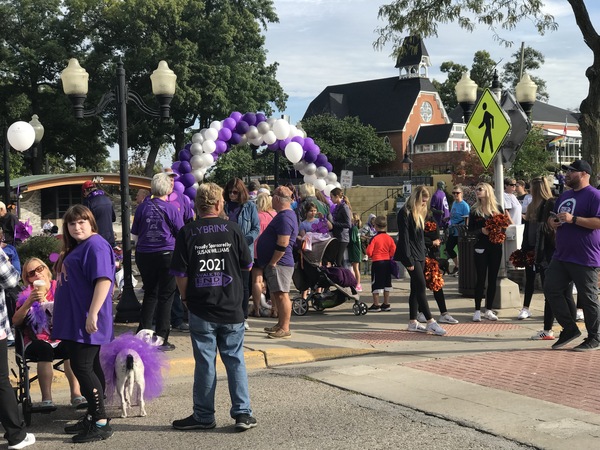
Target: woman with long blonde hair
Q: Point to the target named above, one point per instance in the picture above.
(411, 252)
(488, 256)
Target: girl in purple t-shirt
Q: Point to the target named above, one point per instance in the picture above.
(83, 314)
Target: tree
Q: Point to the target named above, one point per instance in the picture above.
(532, 159)
(347, 141)
(446, 89)
(532, 60)
(420, 17)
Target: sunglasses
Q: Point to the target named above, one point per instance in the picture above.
(511, 184)
(480, 189)
(234, 192)
(456, 193)
(38, 269)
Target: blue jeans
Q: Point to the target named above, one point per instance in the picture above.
(207, 337)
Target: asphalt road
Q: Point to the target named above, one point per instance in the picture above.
(293, 412)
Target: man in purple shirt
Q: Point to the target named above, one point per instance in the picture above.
(439, 205)
(576, 258)
(275, 257)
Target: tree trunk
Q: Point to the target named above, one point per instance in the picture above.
(589, 122)
(151, 161)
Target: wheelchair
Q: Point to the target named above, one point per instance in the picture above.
(24, 381)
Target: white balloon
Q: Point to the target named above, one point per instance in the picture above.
(331, 177)
(196, 148)
(321, 172)
(295, 131)
(269, 137)
(256, 141)
(281, 128)
(217, 125)
(198, 174)
(21, 136)
(207, 160)
(328, 189)
(195, 185)
(252, 132)
(320, 184)
(337, 184)
(263, 127)
(197, 162)
(300, 165)
(244, 140)
(293, 151)
(310, 169)
(271, 121)
(197, 138)
(211, 134)
(310, 179)
(209, 146)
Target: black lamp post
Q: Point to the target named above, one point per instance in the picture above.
(75, 85)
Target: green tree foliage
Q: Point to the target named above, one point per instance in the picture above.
(347, 142)
(446, 89)
(532, 60)
(421, 17)
(532, 159)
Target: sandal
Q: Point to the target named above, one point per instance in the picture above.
(45, 405)
(79, 402)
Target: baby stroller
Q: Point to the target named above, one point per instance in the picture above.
(338, 284)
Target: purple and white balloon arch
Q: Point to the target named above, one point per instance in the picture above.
(254, 128)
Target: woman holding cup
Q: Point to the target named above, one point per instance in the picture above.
(35, 307)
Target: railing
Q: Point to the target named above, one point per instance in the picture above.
(393, 192)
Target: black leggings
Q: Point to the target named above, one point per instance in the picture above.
(85, 362)
(487, 263)
(340, 255)
(417, 300)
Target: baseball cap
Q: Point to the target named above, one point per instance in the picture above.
(170, 173)
(87, 185)
(579, 165)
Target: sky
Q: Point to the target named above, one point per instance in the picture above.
(328, 42)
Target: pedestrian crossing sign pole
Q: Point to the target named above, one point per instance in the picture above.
(488, 128)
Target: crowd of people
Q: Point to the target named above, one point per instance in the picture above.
(232, 255)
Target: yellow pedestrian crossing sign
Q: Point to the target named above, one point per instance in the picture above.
(488, 127)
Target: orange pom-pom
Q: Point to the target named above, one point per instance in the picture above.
(430, 226)
(433, 277)
(496, 226)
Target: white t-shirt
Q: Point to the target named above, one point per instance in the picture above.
(513, 206)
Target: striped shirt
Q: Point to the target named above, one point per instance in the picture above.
(9, 277)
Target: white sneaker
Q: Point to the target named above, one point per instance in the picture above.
(543, 335)
(489, 315)
(246, 325)
(421, 318)
(524, 314)
(435, 328)
(579, 317)
(477, 316)
(29, 440)
(447, 318)
(416, 326)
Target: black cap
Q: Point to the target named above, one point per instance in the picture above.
(579, 165)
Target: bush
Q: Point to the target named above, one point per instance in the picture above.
(39, 247)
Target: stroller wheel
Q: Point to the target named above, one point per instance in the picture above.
(363, 308)
(300, 306)
(356, 309)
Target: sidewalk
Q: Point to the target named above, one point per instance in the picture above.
(487, 375)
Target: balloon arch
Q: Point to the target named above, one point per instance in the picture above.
(254, 128)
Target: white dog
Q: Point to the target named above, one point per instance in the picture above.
(129, 370)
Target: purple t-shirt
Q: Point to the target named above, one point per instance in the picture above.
(576, 244)
(285, 223)
(88, 261)
(440, 202)
(156, 223)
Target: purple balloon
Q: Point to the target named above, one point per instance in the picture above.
(236, 115)
(229, 123)
(184, 155)
(299, 140)
(260, 117)
(249, 118)
(310, 156)
(175, 166)
(235, 138)
(308, 141)
(283, 143)
(225, 134)
(321, 159)
(185, 167)
(178, 187)
(242, 127)
(317, 148)
(188, 146)
(221, 146)
(190, 192)
(188, 179)
(214, 155)
(274, 146)
(328, 166)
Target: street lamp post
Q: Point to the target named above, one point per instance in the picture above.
(75, 85)
(20, 136)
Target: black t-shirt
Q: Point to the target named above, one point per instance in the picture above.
(211, 253)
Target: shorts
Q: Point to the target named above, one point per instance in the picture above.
(278, 278)
(381, 276)
(39, 350)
